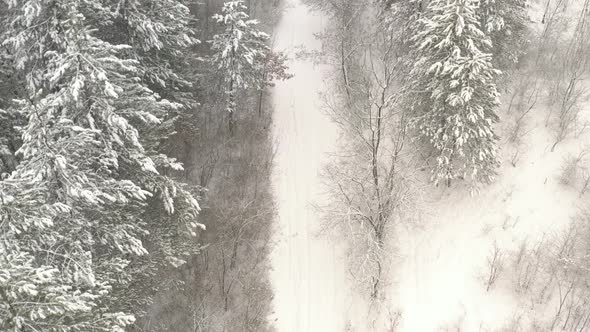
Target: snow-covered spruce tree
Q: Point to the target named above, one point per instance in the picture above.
(273, 68)
(505, 21)
(9, 137)
(161, 35)
(453, 93)
(9, 140)
(71, 213)
(161, 40)
(239, 52)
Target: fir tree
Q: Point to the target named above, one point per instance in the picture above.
(9, 120)
(238, 52)
(71, 212)
(454, 95)
(505, 21)
(161, 37)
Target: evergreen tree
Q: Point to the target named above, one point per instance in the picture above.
(161, 37)
(454, 96)
(274, 67)
(9, 120)
(238, 52)
(505, 21)
(10, 138)
(71, 212)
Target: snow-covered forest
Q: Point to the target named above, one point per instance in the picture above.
(294, 165)
(135, 157)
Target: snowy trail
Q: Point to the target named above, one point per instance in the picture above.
(308, 272)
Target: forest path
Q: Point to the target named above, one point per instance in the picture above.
(308, 271)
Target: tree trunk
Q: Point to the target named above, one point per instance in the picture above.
(231, 108)
(545, 12)
(343, 67)
(260, 96)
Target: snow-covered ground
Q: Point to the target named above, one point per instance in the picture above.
(443, 267)
(439, 276)
(309, 275)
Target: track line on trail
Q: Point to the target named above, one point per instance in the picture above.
(308, 277)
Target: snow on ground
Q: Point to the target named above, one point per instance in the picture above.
(309, 274)
(441, 281)
(442, 273)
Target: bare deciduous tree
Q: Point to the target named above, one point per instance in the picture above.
(495, 266)
(369, 188)
(524, 98)
(554, 275)
(566, 91)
